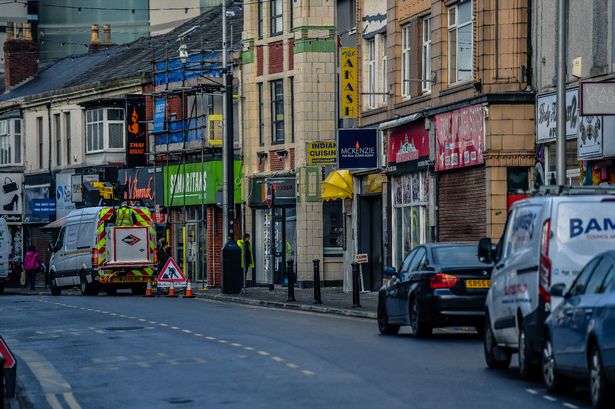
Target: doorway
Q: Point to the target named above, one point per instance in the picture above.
(370, 239)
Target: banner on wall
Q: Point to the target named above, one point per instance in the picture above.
(136, 131)
(460, 138)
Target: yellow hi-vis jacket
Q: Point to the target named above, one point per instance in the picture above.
(240, 243)
(123, 217)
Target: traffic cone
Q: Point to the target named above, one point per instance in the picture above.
(172, 291)
(188, 290)
(148, 290)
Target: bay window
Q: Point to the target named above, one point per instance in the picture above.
(104, 129)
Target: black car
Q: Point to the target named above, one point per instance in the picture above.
(438, 285)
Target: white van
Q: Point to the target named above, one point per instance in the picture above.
(5, 252)
(95, 251)
(546, 242)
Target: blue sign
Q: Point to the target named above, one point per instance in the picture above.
(43, 206)
(159, 111)
(357, 148)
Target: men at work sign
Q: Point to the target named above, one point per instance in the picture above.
(136, 137)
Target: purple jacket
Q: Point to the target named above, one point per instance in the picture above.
(31, 261)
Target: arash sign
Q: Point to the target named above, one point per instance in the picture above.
(145, 184)
(460, 138)
(357, 148)
(136, 136)
(408, 144)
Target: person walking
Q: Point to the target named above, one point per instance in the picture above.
(163, 253)
(32, 265)
(247, 258)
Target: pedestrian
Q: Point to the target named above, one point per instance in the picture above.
(163, 253)
(247, 258)
(32, 265)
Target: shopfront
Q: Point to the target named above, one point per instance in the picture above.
(11, 208)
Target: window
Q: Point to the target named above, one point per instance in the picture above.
(291, 14)
(460, 42)
(57, 128)
(10, 142)
(333, 226)
(71, 236)
(260, 19)
(371, 73)
(426, 77)
(385, 80)
(579, 285)
(292, 108)
(594, 286)
(68, 141)
(419, 260)
(99, 136)
(405, 267)
(261, 115)
(275, 11)
(405, 61)
(39, 135)
(277, 111)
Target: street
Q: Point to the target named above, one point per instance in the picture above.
(131, 352)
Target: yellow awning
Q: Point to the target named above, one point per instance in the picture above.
(338, 185)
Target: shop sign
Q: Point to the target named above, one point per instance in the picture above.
(321, 153)
(159, 114)
(546, 116)
(38, 206)
(279, 191)
(348, 82)
(460, 138)
(77, 182)
(197, 183)
(11, 197)
(357, 148)
(590, 137)
(146, 184)
(597, 98)
(64, 197)
(408, 143)
(136, 126)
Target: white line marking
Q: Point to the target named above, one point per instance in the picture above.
(142, 320)
(263, 353)
(248, 348)
(532, 391)
(198, 335)
(132, 318)
(113, 314)
(53, 401)
(152, 322)
(550, 398)
(174, 327)
(187, 331)
(290, 365)
(144, 365)
(123, 316)
(277, 359)
(306, 372)
(570, 405)
(105, 312)
(235, 344)
(222, 341)
(163, 325)
(70, 399)
(211, 338)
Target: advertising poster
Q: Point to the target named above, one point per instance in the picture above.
(460, 138)
(64, 196)
(590, 137)
(11, 197)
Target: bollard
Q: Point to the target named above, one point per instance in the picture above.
(356, 302)
(317, 299)
(291, 281)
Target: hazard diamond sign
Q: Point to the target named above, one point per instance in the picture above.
(171, 273)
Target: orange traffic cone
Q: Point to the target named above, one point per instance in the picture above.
(188, 290)
(148, 290)
(172, 291)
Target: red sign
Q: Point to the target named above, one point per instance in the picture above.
(460, 138)
(408, 143)
(171, 274)
(269, 195)
(9, 360)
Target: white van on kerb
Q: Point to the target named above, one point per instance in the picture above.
(546, 241)
(5, 252)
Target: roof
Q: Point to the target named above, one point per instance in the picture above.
(135, 59)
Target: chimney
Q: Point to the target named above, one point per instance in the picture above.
(20, 55)
(94, 41)
(107, 34)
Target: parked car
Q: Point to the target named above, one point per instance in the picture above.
(580, 333)
(438, 285)
(546, 241)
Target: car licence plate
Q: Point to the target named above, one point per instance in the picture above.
(478, 283)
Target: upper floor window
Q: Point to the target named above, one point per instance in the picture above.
(105, 129)
(371, 73)
(275, 11)
(260, 18)
(261, 115)
(277, 111)
(10, 142)
(385, 79)
(460, 42)
(405, 61)
(426, 77)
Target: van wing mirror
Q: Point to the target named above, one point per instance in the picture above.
(485, 250)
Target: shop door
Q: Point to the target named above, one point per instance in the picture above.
(370, 240)
(195, 250)
(272, 270)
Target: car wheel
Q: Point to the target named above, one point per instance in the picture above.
(383, 325)
(495, 357)
(420, 329)
(55, 290)
(528, 369)
(553, 380)
(601, 393)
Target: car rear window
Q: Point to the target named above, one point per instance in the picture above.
(456, 256)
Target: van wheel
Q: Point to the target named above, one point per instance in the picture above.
(528, 368)
(496, 358)
(55, 290)
(86, 289)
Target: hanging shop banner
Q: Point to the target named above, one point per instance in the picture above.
(64, 194)
(408, 144)
(590, 137)
(260, 191)
(348, 82)
(321, 153)
(39, 208)
(597, 98)
(460, 138)
(11, 197)
(357, 148)
(146, 184)
(160, 107)
(546, 116)
(136, 131)
(197, 183)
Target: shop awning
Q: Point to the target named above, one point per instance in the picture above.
(338, 185)
(58, 224)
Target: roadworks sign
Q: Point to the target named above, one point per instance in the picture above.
(171, 273)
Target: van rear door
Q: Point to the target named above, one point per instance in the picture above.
(128, 245)
(585, 228)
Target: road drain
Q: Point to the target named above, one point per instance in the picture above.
(123, 328)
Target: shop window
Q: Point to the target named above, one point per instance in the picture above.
(333, 226)
(516, 180)
(572, 163)
(460, 42)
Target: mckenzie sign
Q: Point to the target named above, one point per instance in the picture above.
(357, 148)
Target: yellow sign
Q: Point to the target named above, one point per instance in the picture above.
(321, 153)
(348, 82)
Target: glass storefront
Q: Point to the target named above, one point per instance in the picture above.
(285, 236)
